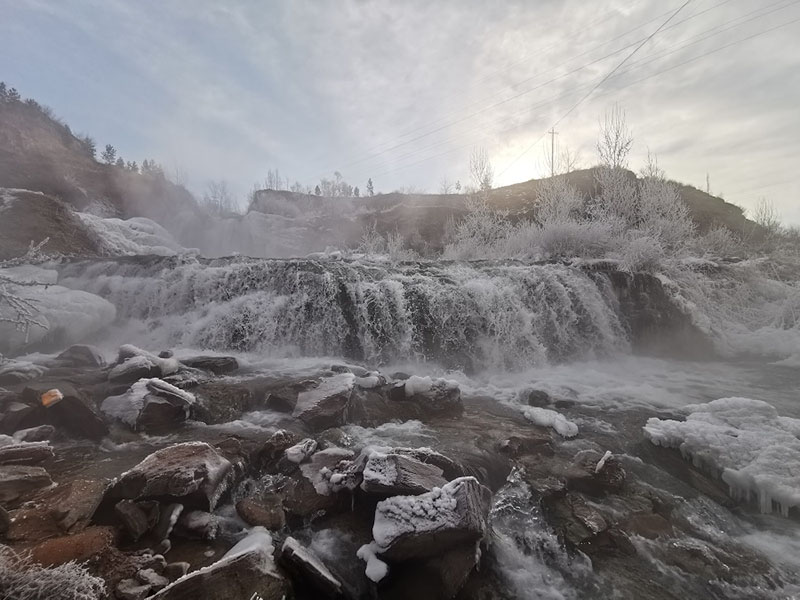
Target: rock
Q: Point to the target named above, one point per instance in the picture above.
(307, 568)
(395, 474)
(516, 446)
(400, 376)
(75, 503)
(415, 399)
(133, 369)
(266, 510)
(219, 365)
(197, 525)
(302, 500)
(326, 405)
(450, 468)
(131, 589)
(30, 453)
(650, 526)
(80, 355)
(539, 398)
(15, 372)
(577, 521)
(301, 450)
(439, 577)
(425, 526)
(151, 578)
(5, 521)
(41, 433)
(19, 481)
(91, 542)
(166, 354)
(192, 472)
(15, 413)
(273, 449)
(151, 405)
(280, 403)
(246, 572)
(438, 397)
(73, 413)
(133, 518)
(583, 475)
(168, 517)
(176, 570)
(332, 470)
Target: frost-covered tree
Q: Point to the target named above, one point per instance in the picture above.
(15, 309)
(13, 95)
(370, 187)
(87, 144)
(132, 166)
(458, 186)
(445, 187)
(356, 192)
(109, 155)
(480, 233)
(480, 169)
(218, 199)
(317, 191)
(120, 163)
(616, 140)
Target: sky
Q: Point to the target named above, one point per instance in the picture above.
(404, 92)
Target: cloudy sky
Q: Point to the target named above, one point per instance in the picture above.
(402, 91)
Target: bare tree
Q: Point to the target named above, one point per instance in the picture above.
(445, 187)
(481, 170)
(15, 309)
(218, 199)
(615, 141)
(766, 215)
(568, 160)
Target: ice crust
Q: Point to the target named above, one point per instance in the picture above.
(754, 450)
(550, 418)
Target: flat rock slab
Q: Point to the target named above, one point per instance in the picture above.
(395, 474)
(25, 454)
(326, 405)
(193, 473)
(306, 567)
(19, 481)
(219, 365)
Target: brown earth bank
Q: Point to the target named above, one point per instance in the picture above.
(153, 481)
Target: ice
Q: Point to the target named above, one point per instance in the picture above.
(302, 450)
(127, 407)
(602, 462)
(550, 418)
(378, 469)
(418, 385)
(376, 568)
(136, 236)
(745, 441)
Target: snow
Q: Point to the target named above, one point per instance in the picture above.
(376, 568)
(379, 469)
(756, 451)
(602, 462)
(550, 418)
(136, 358)
(24, 370)
(369, 382)
(301, 451)
(429, 512)
(418, 385)
(127, 407)
(130, 237)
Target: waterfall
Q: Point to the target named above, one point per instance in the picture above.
(463, 315)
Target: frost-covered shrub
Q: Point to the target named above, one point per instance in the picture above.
(663, 215)
(481, 234)
(571, 238)
(21, 579)
(557, 200)
(718, 241)
(396, 248)
(642, 253)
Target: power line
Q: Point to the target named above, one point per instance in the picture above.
(601, 82)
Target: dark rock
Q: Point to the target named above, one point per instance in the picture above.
(73, 413)
(176, 570)
(440, 577)
(133, 369)
(266, 510)
(450, 468)
(131, 589)
(576, 520)
(81, 355)
(394, 402)
(307, 568)
(74, 503)
(395, 474)
(151, 405)
(219, 365)
(18, 481)
(134, 519)
(41, 433)
(425, 526)
(539, 398)
(273, 450)
(25, 454)
(650, 526)
(5, 521)
(326, 405)
(221, 402)
(539, 444)
(239, 575)
(166, 354)
(197, 525)
(400, 376)
(167, 519)
(301, 499)
(151, 578)
(280, 403)
(582, 474)
(14, 414)
(192, 472)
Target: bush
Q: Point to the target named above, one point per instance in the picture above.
(21, 579)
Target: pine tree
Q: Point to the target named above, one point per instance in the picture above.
(109, 154)
(356, 192)
(370, 187)
(132, 166)
(13, 95)
(3, 91)
(120, 163)
(317, 191)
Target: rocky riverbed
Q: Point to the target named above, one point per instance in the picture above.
(198, 478)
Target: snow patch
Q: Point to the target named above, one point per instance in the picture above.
(550, 418)
(376, 568)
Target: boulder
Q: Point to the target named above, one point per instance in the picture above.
(245, 572)
(132, 589)
(419, 398)
(151, 405)
(307, 568)
(222, 402)
(167, 519)
(150, 578)
(576, 520)
(594, 474)
(80, 355)
(29, 453)
(395, 474)
(326, 405)
(135, 519)
(135, 368)
(266, 511)
(301, 450)
(218, 365)
(41, 433)
(15, 414)
(19, 481)
(192, 472)
(273, 450)
(535, 443)
(73, 504)
(72, 413)
(428, 525)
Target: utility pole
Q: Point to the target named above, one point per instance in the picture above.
(708, 184)
(553, 133)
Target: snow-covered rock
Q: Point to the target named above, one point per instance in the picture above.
(150, 404)
(306, 566)
(745, 441)
(427, 525)
(395, 474)
(193, 472)
(301, 451)
(134, 363)
(135, 236)
(550, 418)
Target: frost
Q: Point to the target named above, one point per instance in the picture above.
(550, 418)
(302, 450)
(22, 579)
(136, 236)
(376, 568)
(602, 462)
(756, 452)
(127, 407)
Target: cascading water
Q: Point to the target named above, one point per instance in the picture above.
(462, 315)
